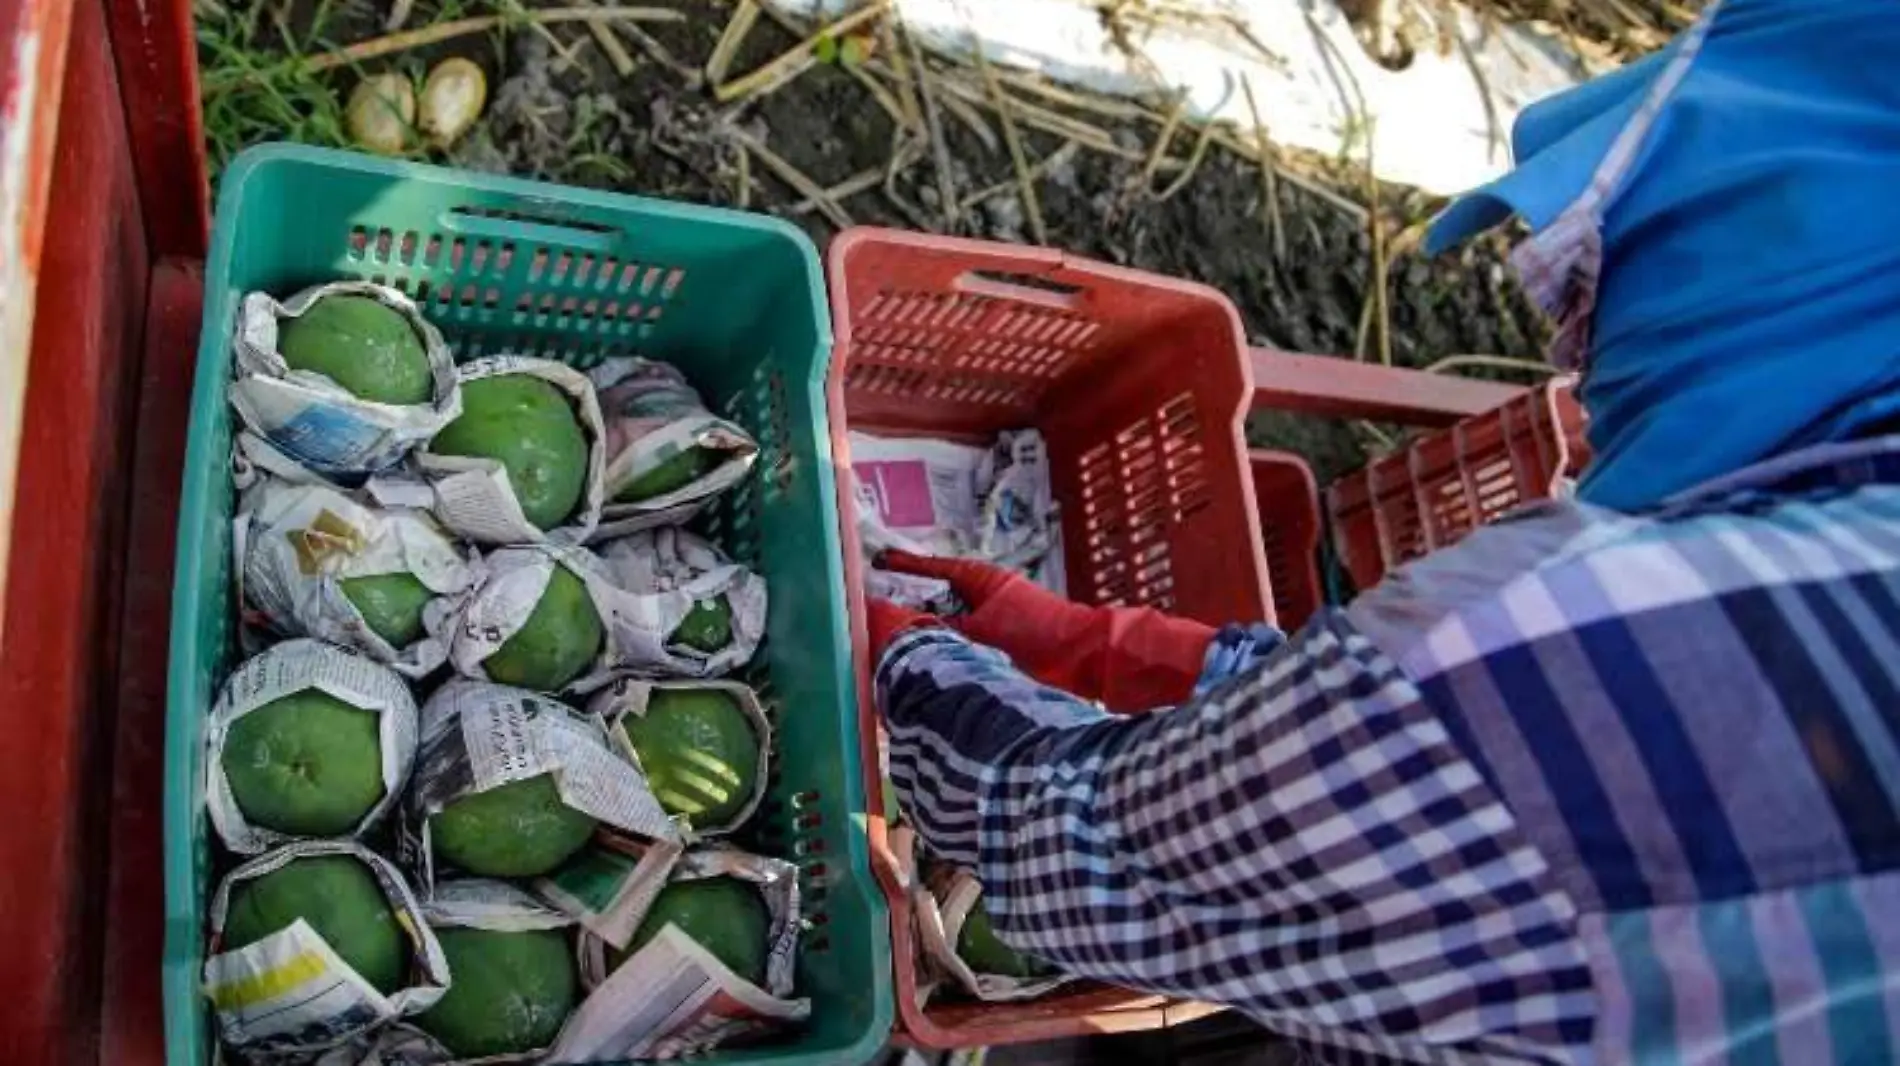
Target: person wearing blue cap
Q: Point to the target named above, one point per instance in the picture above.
(1616, 779)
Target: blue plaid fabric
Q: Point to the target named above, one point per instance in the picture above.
(1587, 786)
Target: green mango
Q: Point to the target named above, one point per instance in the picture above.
(340, 898)
(509, 992)
(675, 473)
(699, 752)
(529, 427)
(558, 642)
(391, 605)
(308, 764)
(707, 627)
(980, 948)
(365, 346)
(521, 829)
(724, 915)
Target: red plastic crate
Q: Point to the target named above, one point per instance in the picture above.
(1446, 484)
(98, 102)
(1288, 499)
(1140, 386)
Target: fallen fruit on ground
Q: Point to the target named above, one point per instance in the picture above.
(362, 344)
(673, 474)
(451, 101)
(529, 427)
(557, 643)
(699, 752)
(307, 764)
(381, 113)
(509, 992)
(391, 605)
(707, 627)
(724, 915)
(521, 829)
(340, 899)
(979, 947)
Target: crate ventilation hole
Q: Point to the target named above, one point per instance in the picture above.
(963, 348)
(1135, 488)
(565, 292)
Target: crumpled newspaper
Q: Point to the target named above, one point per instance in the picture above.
(290, 994)
(661, 575)
(935, 497)
(485, 903)
(608, 885)
(313, 419)
(283, 670)
(297, 544)
(942, 898)
(940, 905)
(652, 415)
(471, 495)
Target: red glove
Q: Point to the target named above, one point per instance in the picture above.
(886, 620)
(1129, 658)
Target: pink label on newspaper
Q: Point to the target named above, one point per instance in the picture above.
(902, 491)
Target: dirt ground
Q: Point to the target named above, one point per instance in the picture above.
(558, 109)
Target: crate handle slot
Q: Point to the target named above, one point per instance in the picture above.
(532, 227)
(1024, 288)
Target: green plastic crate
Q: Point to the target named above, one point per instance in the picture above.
(502, 265)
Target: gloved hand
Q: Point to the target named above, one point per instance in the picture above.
(886, 620)
(1129, 658)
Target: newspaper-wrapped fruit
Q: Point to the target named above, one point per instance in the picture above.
(339, 898)
(306, 740)
(315, 943)
(533, 619)
(362, 344)
(345, 378)
(688, 611)
(510, 783)
(513, 965)
(313, 562)
(960, 945)
(526, 425)
(518, 829)
(666, 454)
(984, 952)
(722, 934)
(701, 744)
(524, 460)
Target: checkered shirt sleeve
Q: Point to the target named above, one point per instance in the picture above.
(1303, 841)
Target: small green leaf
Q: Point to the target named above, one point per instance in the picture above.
(854, 51)
(826, 49)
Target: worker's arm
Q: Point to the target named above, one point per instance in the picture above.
(1302, 838)
(1128, 659)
